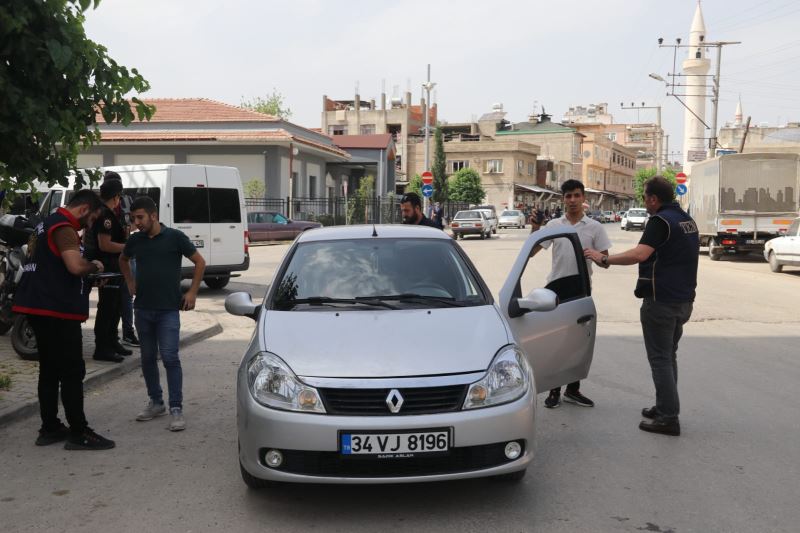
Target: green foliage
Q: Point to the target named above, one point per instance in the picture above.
(271, 105)
(358, 202)
(465, 186)
(5, 382)
(254, 188)
(415, 185)
(53, 81)
(644, 174)
(439, 169)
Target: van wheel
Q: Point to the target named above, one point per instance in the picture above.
(773, 263)
(714, 256)
(217, 282)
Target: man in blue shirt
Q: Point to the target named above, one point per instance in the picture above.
(158, 251)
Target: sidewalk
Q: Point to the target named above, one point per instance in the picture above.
(21, 399)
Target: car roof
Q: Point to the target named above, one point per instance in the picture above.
(365, 231)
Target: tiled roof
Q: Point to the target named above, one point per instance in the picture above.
(200, 110)
(379, 141)
(225, 136)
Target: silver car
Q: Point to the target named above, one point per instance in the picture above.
(512, 218)
(380, 356)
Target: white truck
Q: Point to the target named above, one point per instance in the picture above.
(740, 201)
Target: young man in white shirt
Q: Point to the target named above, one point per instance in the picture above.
(592, 235)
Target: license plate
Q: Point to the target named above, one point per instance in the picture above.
(386, 445)
(755, 241)
(466, 225)
(198, 244)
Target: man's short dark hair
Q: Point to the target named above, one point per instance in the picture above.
(571, 185)
(146, 203)
(661, 188)
(111, 175)
(85, 197)
(412, 198)
(109, 189)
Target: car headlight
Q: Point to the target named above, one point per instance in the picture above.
(273, 384)
(508, 378)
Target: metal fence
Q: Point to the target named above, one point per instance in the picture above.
(340, 210)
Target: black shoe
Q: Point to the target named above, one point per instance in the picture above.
(51, 437)
(553, 400)
(111, 357)
(88, 440)
(130, 340)
(578, 399)
(650, 413)
(663, 425)
(121, 350)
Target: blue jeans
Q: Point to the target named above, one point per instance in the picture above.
(159, 332)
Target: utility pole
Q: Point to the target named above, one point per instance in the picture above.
(657, 134)
(428, 85)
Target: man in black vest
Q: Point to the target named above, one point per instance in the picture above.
(667, 255)
(55, 296)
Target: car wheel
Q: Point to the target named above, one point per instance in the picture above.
(513, 477)
(774, 265)
(254, 482)
(483, 235)
(23, 339)
(217, 282)
(714, 256)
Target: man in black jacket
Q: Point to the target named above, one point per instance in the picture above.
(411, 210)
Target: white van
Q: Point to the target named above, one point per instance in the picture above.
(203, 201)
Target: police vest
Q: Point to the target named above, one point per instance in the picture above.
(670, 274)
(47, 288)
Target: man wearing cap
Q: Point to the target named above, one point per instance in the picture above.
(109, 240)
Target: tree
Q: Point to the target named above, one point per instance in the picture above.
(465, 186)
(255, 188)
(644, 174)
(54, 81)
(415, 185)
(357, 210)
(439, 169)
(271, 105)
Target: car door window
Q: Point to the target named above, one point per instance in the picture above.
(225, 207)
(279, 219)
(556, 268)
(190, 205)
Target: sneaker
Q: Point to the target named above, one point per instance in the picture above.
(130, 340)
(121, 350)
(662, 425)
(152, 410)
(578, 399)
(88, 440)
(650, 413)
(553, 400)
(51, 437)
(177, 423)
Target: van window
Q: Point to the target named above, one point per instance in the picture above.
(224, 205)
(190, 205)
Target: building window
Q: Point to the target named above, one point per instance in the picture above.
(456, 165)
(520, 166)
(611, 136)
(337, 130)
(368, 129)
(295, 184)
(494, 166)
(531, 169)
(312, 186)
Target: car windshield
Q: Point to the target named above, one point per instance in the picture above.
(467, 214)
(637, 213)
(359, 274)
(510, 214)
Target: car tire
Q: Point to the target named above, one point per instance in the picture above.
(217, 282)
(253, 482)
(714, 256)
(774, 265)
(23, 339)
(483, 235)
(513, 477)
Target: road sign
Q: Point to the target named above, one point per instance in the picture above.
(427, 177)
(680, 177)
(427, 191)
(681, 189)
(695, 156)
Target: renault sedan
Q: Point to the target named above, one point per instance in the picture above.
(380, 356)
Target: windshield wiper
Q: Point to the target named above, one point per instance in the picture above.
(410, 297)
(325, 300)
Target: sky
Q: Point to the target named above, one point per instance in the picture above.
(522, 53)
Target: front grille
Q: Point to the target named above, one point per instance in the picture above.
(372, 402)
(333, 464)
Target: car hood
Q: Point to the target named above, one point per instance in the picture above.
(385, 343)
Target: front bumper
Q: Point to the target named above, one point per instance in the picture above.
(310, 443)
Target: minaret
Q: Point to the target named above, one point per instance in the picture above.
(695, 67)
(737, 119)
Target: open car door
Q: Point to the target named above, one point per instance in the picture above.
(548, 304)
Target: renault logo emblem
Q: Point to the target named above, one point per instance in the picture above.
(394, 400)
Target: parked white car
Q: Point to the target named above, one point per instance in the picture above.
(634, 219)
(512, 218)
(355, 402)
(784, 250)
(608, 216)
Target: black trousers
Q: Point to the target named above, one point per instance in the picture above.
(106, 323)
(61, 367)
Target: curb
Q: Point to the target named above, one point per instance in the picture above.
(101, 377)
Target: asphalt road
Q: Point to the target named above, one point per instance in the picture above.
(735, 468)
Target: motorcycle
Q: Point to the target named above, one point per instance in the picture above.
(15, 231)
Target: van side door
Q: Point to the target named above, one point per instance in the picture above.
(188, 191)
(227, 222)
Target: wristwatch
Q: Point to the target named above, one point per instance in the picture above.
(604, 260)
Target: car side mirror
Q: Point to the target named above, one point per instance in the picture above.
(539, 300)
(241, 304)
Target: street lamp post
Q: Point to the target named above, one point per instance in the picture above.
(428, 85)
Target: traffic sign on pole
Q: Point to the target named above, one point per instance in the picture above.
(680, 177)
(427, 177)
(427, 191)
(681, 189)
